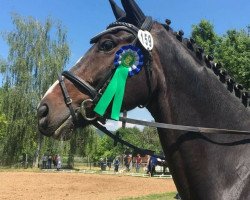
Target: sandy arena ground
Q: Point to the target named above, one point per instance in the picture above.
(65, 186)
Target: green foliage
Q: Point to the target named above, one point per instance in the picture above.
(146, 139)
(83, 143)
(231, 49)
(234, 53)
(204, 35)
(3, 123)
(86, 141)
(164, 196)
(104, 148)
(36, 53)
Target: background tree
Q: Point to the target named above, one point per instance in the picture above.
(147, 139)
(234, 52)
(231, 49)
(83, 144)
(205, 36)
(3, 123)
(36, 53)
(150, 139)
(86, 141)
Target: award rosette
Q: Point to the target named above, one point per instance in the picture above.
(131, 57)
(128, 62)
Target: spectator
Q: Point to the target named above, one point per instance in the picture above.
(138, 162)
(130, 161)
(49, 161)
(148, 165)
(59, 163)
(54, 158)
(44, 161)
(153, 163)
(102, 164)
(127, 161)
(116, 164)
(109, 162)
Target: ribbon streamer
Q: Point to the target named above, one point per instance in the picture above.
(128, 61)
(115, 90)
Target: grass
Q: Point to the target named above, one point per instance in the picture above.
(163, 196)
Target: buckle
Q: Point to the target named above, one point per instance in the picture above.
(83, 110)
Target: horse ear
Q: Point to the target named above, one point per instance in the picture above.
(118, 12)
(134, 14)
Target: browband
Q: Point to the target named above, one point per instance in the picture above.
(115, 26)
(113, 29)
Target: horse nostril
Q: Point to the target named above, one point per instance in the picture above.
(43, 111)
(42, 114)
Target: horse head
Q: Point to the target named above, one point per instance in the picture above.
(54, 115)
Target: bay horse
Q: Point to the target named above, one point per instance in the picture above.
(178, 84)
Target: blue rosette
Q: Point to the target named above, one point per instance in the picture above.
(129, 56)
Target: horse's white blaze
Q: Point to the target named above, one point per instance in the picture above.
(78, 60)
(50, 90)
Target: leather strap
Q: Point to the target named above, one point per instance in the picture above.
(183, 128)
(147, 24)
(81, 84)
(67, 99)
(131, 29)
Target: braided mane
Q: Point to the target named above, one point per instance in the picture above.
(217, 68)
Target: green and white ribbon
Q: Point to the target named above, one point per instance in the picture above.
(128, 62)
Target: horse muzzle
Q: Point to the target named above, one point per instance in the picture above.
(59, 129)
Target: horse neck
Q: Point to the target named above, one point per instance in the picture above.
(188, 93)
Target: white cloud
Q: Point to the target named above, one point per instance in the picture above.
(114, 125)
(141, 114)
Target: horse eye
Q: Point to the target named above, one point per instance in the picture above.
(107, 45)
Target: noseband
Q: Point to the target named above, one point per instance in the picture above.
(96, 93)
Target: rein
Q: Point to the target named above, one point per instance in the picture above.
(96, 93)
(183, 128)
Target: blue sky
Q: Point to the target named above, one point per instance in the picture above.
(85, 18)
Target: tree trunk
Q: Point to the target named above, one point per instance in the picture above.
(37, 153)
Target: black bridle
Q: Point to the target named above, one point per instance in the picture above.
(96, 93)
